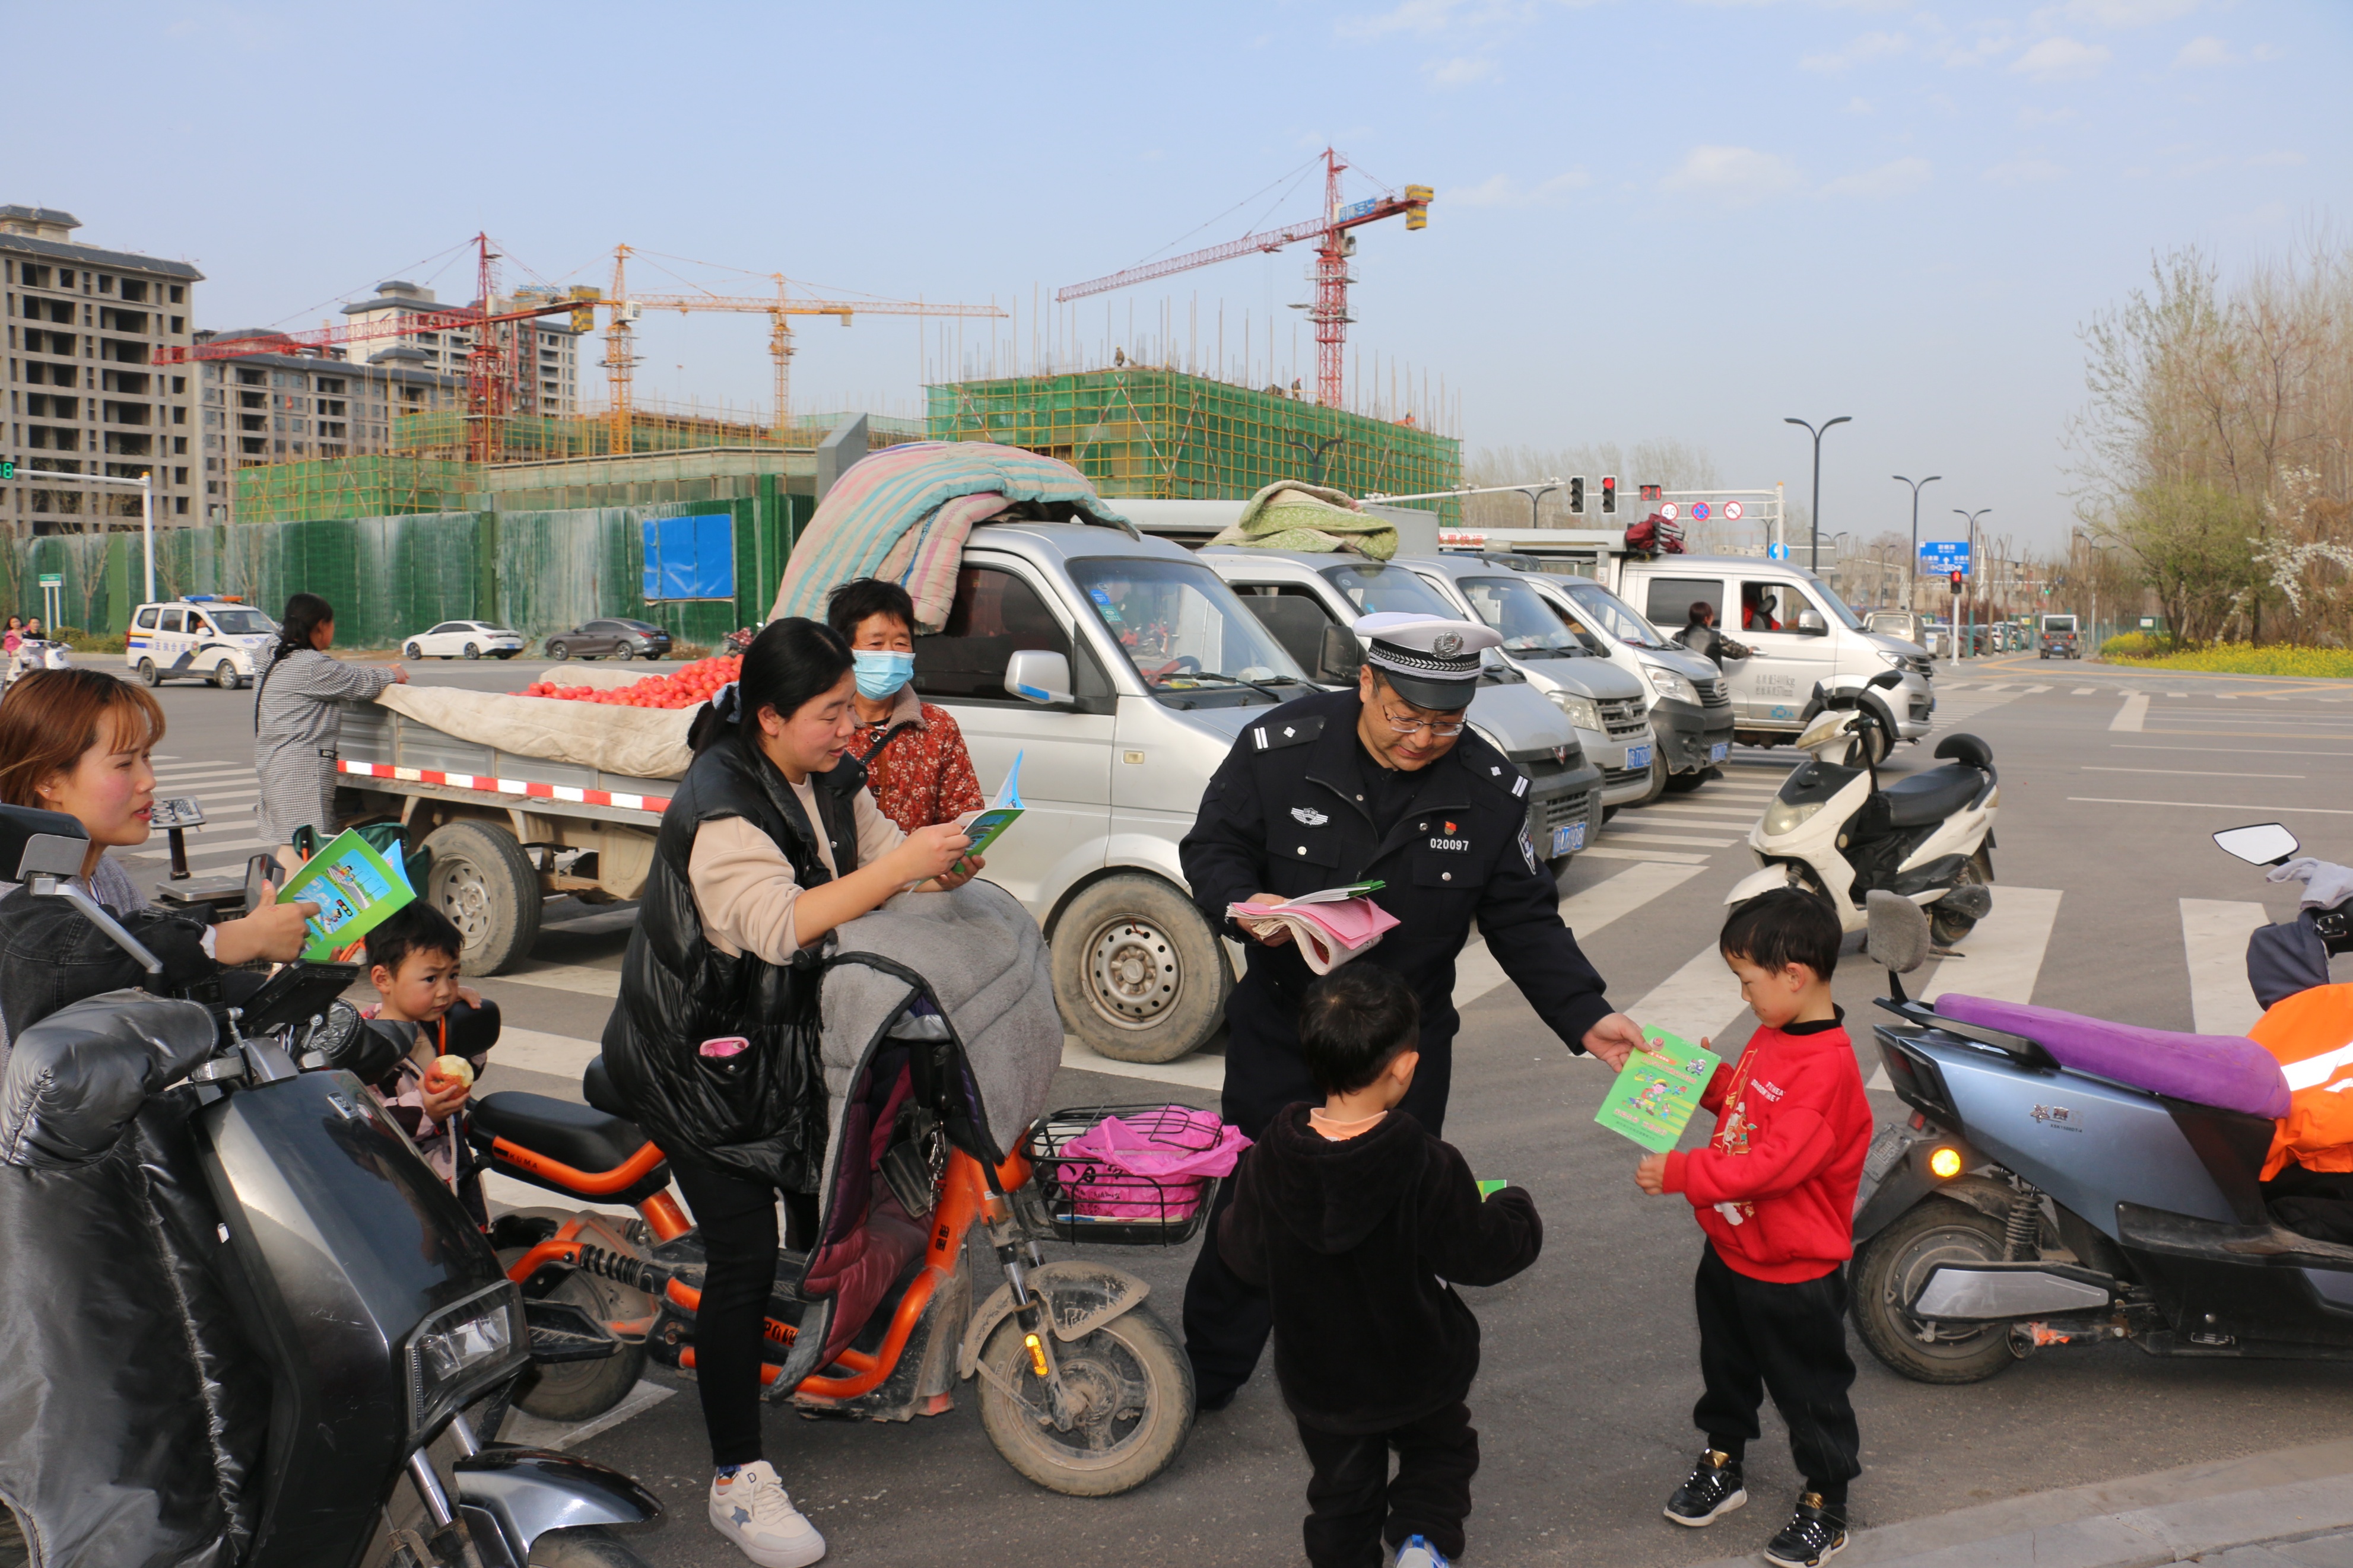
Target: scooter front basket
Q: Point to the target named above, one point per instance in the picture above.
(1129, 1175)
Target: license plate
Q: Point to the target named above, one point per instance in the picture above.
(1567, 840)
(1638, 756)
(1720, 751)
(1886, 1148)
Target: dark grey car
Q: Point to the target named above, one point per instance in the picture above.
(616, 637)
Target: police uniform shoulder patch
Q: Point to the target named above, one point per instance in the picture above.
(1527, 850)
(1277, 733)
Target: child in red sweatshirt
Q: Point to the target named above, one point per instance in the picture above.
(1774, 1189)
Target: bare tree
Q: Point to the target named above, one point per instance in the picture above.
(1676, 464)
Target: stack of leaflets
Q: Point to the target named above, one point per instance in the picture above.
(984, 826)
(1657, 1091)
(1331, 927)
(354, 888)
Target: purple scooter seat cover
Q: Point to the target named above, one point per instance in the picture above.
(2224, 1070)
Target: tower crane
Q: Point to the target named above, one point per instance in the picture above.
(1334, 244)
(627, 308)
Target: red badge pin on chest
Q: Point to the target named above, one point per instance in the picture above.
(1450, 830)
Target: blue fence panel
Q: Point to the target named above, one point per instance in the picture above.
(690, 557)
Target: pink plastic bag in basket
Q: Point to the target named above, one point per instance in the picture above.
(1155, 1166)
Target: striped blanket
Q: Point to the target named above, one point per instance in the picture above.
(904, 513)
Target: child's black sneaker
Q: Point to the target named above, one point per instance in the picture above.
(1712, 1490)
(1812, 1537)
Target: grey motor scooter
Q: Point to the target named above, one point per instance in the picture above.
(2064, 1180)
(246, 1320)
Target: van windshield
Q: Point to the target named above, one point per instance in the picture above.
(1530, 626)
(1612, 613)
(1374, 588)
(241, 622)
(1180, 625)
(1838, 607)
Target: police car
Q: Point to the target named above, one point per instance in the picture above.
(204, 636)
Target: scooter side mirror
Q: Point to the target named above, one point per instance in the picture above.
(2263, 843)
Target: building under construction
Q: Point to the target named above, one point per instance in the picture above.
(1139, 431)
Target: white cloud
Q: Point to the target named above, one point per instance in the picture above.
(2025, 172)
(2061, 59)
(2200, 166)
(2203, 52)
(1900, 178)
(1503, 191)
(2034, 115)
(1869, 46)
(1859, 106)
(2113, 13)
(1989, 45)
(2279, 159)
(1460, 71)
(1428, 16)
(1736, 177)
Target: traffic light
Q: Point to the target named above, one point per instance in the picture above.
(1576, 496)
(7, 467)
(1654, 492)
(1608, 494)
(1957, 584)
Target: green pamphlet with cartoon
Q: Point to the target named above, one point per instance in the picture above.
(354, 888)
(1657, 1091)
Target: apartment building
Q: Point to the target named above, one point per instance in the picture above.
(291, 407)
(546, 377)
(84, 393)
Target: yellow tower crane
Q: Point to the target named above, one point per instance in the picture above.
(626, 308)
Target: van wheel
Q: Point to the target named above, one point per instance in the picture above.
(1138, 973)
(225, 676)
(1659, 776)
(1889, 1272)
(148, 675)
(482, 880)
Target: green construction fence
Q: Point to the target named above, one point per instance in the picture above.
(391, 577)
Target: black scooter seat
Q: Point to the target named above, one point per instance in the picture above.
(596, 1089)
(581, 1136)
(1932, 796)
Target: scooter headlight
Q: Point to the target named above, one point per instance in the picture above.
(462, 1350)
(1787, 816)
(1583, 711)
(1667, 683)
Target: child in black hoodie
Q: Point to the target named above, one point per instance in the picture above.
(1353, 1219)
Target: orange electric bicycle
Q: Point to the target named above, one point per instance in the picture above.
(873, 1313)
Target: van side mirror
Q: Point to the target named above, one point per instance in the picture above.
(1340, 657)
(1812, 625)
(1039, 675)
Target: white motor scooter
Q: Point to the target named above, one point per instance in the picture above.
(37, 653)
(1833, 830)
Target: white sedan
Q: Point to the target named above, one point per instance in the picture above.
(468, 639)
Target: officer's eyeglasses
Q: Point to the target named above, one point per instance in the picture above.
(1412, 726)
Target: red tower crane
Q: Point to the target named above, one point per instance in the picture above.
(489, 387)
(1333, 246)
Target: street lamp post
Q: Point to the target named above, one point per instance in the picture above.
(146, 484)
(1966, 637)
(1537, 493)
(1814, 544)
(1911, 579)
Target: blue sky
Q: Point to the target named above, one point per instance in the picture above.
(1654, 219)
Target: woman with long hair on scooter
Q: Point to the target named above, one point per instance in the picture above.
(77, 741)
(770, 842)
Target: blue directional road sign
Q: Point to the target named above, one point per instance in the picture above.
(1777, 551)
(1945, 555)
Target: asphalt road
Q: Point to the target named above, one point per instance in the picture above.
(2109, 899)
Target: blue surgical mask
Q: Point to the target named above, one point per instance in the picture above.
(880, 673)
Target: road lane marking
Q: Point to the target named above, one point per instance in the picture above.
(557, 1056)
(2228, 750)
(1740, 811)
(2082, 692)
(2214, 944)
(2187, 774)
(1196, 1071)
(1667, 857)
(2213, 805)
(576, 978)
(1698, 1001)
(2034, 688)
(1623, 837)
(2132, 714)
(532, 1433)
(1476, 972)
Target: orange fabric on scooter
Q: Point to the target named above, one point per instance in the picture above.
(2311, 1033)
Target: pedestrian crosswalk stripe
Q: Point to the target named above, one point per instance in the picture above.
(1603, 852)
(2132, 715)
(1614, 836)
(2081, 692)
(2215, 944)
(1476, 972)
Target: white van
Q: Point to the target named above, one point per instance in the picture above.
(203, 636)
(1691, 705)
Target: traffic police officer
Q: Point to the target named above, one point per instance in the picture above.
(1383, 782)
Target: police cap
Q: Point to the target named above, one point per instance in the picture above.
(1432, 662)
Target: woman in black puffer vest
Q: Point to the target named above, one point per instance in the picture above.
(771, 841)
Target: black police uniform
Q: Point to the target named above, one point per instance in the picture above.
(1297, 806)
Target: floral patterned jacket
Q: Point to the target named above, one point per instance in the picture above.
(920, 775)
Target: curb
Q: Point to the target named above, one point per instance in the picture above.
(2167, 1516)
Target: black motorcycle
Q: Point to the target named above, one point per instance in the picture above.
(248, 1326)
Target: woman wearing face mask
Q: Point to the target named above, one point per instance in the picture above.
(914, 756)
(769, 843)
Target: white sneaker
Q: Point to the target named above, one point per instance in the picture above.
(752, 1510)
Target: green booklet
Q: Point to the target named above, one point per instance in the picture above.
(354, 888)
(984, 826)
(1657, 1091)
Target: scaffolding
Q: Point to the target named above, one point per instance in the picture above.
(1166, 433)
(386, 485)
(653, 428)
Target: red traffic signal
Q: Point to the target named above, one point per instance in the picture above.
(1609, 493)
(1957, 582)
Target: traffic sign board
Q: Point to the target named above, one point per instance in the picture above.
(1777, 551)
(1699, 511)
(1732, 511)
(1670, 511)
(1945, 555)
(53, 579)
